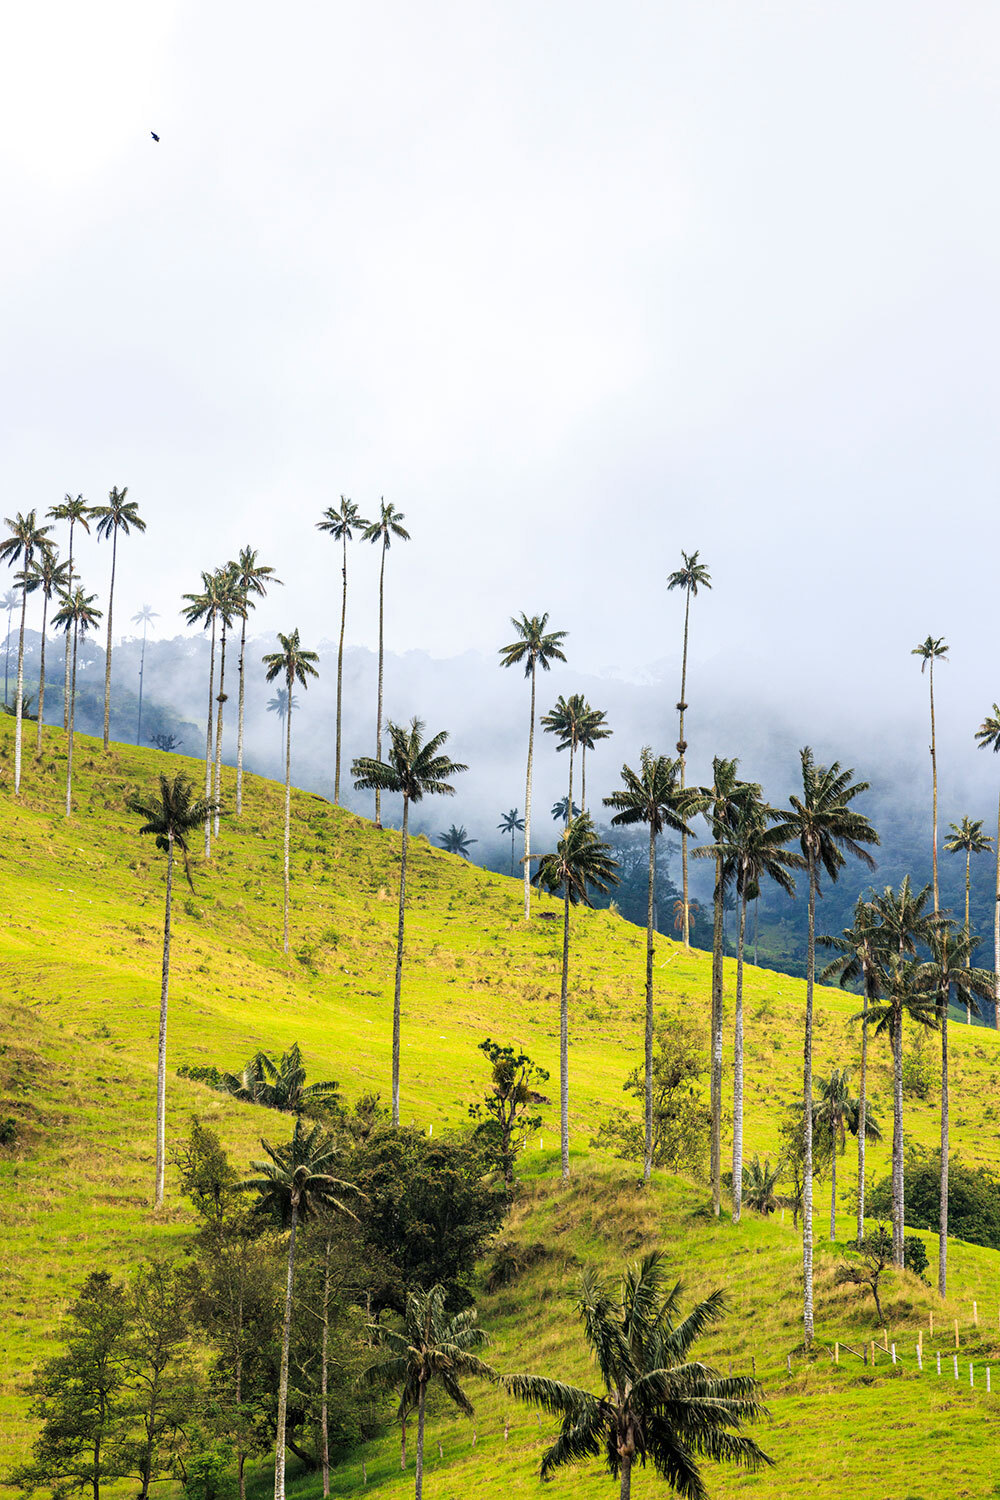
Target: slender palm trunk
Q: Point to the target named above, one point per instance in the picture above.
(512, 852)
(288, 805)
(996, 934)
(715, 1080)
(161, 1057)
(943, 1218)
(19, 699)
(968, 958)
(738, 1068)
(400, 935)
(681, 749)
(583, 778)
(833, 1189)
(142, 671)
(323, 1414)
(69, 732)
(381, 659)
(647, 1163)
(41, 674)
(69, 590)
(6, 658)
(897, 1136)
(107, 659)
(221, 698)
(756, 927)
(208, 743)
(569, 792)
(807, 1113)
(863, 1114)
(240, 717)
(564, 1043)
(340, 677)
(625, 1493)
(934, 850)
(279, 1453)
(421, 1405)
(527, 815)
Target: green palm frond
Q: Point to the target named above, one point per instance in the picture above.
(342, 523)
(653, 795)
(692, 576)
(534, 645)
(118, 515)
(292, 662)
(413, 767)
(581, 861)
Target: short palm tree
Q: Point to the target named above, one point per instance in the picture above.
(656, 1406)
(341, 524)
(76, 615)
(381, 532)
(566, 721)
(118, 515)
(593, 728)
(581, 861)
(988, 736)
(76, 511)
(456, 841)
(431, 1348)
(533, 647)
(294, 664)
(294, 1186)
(826, 825)
(691, 577)
(170, 817)
(651, 795)
(511, 822)
(970, 838)
(930, 651)
(25, 540)
(52, 577)
(144, 616)
(208, 609)
(759, 1182)
(415, 769)
(281, 1085)
(837, 1113)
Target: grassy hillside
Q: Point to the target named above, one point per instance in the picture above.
(80, 904)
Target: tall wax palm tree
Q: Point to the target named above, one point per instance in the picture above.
(9, 603)
(25, 540)
(431, 1348)
(296, 665)
(388, 525)
(838, 1113)
(52, 577)
(593, 728)
(295, 1185)
(988, 735)
(753, 847)
(232, 608)
(533, 647)
(76, 615)
(341, 525)
(691, 577)
(170, 817)
(76, 511)
(826, 825)
(279, 705)
(858, 963)
(118, 515)
(968, 836)
(720, 803)
(206, 609)
(566, 720)
(457, 841)
(580, 861)
(144, 617)
(415, 769)
(950, 967)
(511, 822)
(656, 1405)
(253, 579)
(652, 796)
(930, 651)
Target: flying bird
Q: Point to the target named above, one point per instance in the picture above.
(154, 135)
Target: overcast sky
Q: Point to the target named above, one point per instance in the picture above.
(574, 285)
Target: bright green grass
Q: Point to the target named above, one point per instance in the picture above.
(80, 936)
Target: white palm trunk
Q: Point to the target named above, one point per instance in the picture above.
(715, 1077)
(19, 700)
(381, 659)
(897, 1140)
(968, 891)
(738, 1069)
(286, 1330)
(527, 809)
(833, 1190)
(400, 938)
(208, 744)
(69, 732)
(934, 850)
(996, 934)
(324, 1354)
(681, 749)
(340, 676)
(161, 1057)
(647, 1164)
(41, 673)
(807, 1112)
(240, 719)
(288, 801)
(943, 1219)
(421, 1406)
(863, 1114)
(221, 698)
(564, 1044)
(69, 589)
(107, 662)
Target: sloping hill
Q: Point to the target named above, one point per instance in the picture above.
(80, 931)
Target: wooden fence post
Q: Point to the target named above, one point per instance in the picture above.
(440, 1449)
(955, 1358)
(932, 1322)
(939, 1361)
(975, 1314)
(920, 1356)
(894, 1354)
(364, 1473)
(873, 1351)
(836, 1354)
(972, 1378)
(788, 1361)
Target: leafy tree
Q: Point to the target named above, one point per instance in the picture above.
(169, 817)
(253, 579)
(511, 822)
(692, 576)
(511, 1097)
(432, 1346)
(294, 1185)
(581, 861)
(144, 617)
(651, 796)
(825, 825)
(793, 1157)
(838, 1113)
(535, 647)
(760, 1181)
(593, 728)
(282, 1085)
(295, 664)
(77, 614)
(26, 539)
(118, 515)
(680, 1119)
(457, 841)
(988, 736)
(415, 769)
(77, 512)
(969, 837)
(154, 1358)
(655, 1404)
(929, 651)
(52, 577)
(973, 1203)
(79, 1396)
(388, 525)
(341, 525)
(875, 1256)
